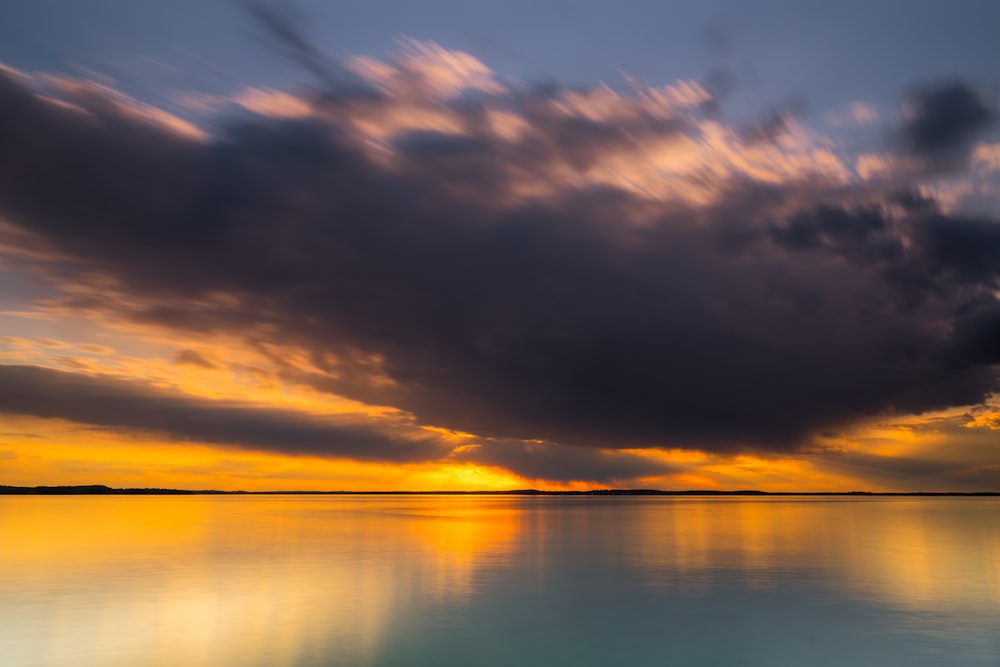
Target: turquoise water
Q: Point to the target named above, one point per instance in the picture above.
(498, 581)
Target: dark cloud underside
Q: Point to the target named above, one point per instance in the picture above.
(944, 121)
(587, 316)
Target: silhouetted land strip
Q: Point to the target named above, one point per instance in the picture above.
(101, 490)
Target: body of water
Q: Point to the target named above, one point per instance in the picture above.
(310, 581)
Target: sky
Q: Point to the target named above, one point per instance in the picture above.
(454, 245)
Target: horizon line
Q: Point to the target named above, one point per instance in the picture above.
(101, 489)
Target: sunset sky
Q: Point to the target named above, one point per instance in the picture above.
(458, 245)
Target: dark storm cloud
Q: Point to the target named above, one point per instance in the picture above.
(580, 316)
(977, 335)
(564, 463)
(116, 403)
(943, 122)
(968, 248)
(925, 250)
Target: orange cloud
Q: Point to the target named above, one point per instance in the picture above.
(422, 68)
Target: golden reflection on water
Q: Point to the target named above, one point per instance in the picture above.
(271, 578)
(467, 533)
(912, 552)
(294, 580)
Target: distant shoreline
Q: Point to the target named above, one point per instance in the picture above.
(101, 490)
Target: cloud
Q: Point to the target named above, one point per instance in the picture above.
(118, 403)
(987, 157)
(608, 271)
(102, 103)
(856, 113)
(913, 473)
(275, 103)
(563, 463)
(194, 358)
(772, 124)
(427, 69)
(138, 407)
(943, 121)
(280, 24)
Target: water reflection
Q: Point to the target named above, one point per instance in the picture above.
(916, 552)
(912, 551)
(493, 580)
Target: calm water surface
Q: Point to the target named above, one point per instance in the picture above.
(498, 581)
